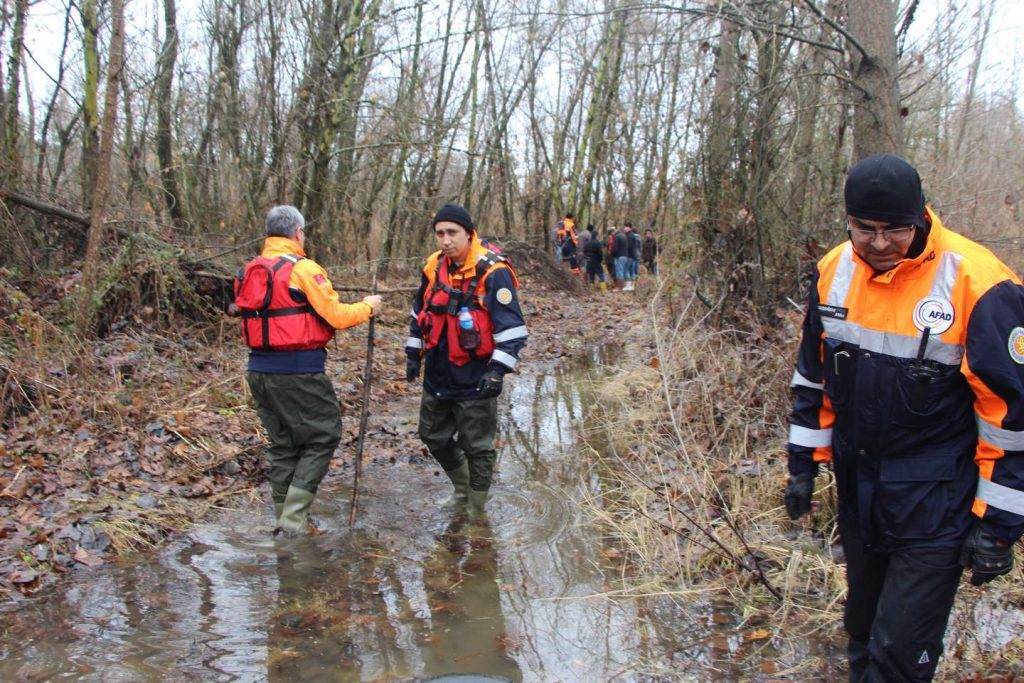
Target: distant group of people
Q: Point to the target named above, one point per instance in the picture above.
(619, 252)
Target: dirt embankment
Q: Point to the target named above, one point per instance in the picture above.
(110, 447)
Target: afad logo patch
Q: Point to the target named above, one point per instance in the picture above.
(933, 312)
(1015, 345)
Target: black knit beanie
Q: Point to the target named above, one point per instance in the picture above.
(886, 188)
(455, 214)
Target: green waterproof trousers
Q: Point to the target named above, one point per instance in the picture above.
(300, 414)
(454, 431)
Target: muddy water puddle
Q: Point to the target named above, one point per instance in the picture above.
(413, 592)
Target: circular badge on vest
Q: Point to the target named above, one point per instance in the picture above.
(504, 296)
(1015, 345)
(935, 313)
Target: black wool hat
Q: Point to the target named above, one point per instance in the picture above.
(886, 188)
(455, 214)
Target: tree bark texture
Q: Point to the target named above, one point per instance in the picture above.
(877, 124)
(98, 214)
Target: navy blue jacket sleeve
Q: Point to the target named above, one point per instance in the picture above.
(995, 362)
(506, 318)
(810, 423)
(414, 344)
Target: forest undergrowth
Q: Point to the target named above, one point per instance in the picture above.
(689, 435)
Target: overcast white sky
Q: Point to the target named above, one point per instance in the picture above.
(1002, 66)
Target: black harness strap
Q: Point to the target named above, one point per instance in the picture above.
(467, 297)
(278, 312)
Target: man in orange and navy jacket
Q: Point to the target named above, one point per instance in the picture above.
(467, 328)
(910, 382)
(289, 313)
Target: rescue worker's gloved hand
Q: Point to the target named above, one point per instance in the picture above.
(798, 495)
(985, 554)
(412, 369)
(490, 384)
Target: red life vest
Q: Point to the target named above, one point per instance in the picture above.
(441, 304)
(275, 316)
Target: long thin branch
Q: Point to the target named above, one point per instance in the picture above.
(839, 29)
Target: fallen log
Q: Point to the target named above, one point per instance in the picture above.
(44, 207)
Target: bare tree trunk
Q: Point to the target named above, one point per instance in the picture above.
(809, 78)
(474, 69)
(98, 215)
(48, 117)
(720, 129)
(985, 22)
(164, 127)
(11, 132)
(90, 98)
(877, 125)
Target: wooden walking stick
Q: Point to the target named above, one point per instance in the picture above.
(365, 412)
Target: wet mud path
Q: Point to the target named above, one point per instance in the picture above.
(413, 592)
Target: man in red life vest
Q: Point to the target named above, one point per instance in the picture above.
(289, 313)
(468, 328)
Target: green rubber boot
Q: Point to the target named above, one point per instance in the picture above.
(477, 502)
(295, 511)
(460, 480)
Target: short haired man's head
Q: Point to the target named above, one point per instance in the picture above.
(286, 221)
(570, 216)
(453, 229)
(885, 209)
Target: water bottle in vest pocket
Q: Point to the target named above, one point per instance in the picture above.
(469, 336)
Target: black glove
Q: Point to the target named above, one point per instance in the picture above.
(490, 384)
(412, 369)
(798, 495)
(985, 554)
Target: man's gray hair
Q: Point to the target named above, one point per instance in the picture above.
(284, 221)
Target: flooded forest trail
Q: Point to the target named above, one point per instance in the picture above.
(412, 592)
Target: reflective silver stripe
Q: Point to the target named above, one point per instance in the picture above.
(843, 277)
(801, 381)
(1007, 439)
(290, 257)
(945, 276)
(414, 343)
(511, 333)
(505, 359)
(413, 314)
(811, 438)
(999, 496)
(891, 344)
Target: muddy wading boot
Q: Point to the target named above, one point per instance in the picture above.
(460, 480)
(278, 507)
(477, 503)
(295, 510)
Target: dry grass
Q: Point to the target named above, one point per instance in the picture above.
(689, 436)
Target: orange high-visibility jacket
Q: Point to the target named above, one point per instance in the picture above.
(920, 435)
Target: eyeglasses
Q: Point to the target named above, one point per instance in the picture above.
(890, 233)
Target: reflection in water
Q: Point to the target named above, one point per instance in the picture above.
(466, 627)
